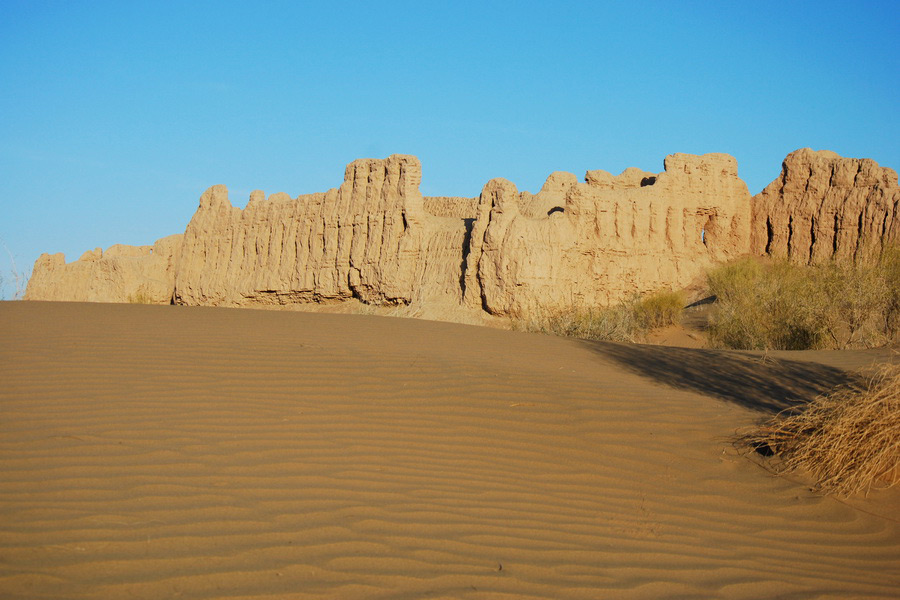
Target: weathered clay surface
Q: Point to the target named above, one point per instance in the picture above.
(370, 239)
(825, 207)
(574, 243)
(598, 242)
(121, 274)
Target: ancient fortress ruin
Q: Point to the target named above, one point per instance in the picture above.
(376, 239)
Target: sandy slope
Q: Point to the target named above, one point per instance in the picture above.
(165, 452)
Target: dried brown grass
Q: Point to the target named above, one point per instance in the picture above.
(629, 321)
(769, 305)
(848, 441)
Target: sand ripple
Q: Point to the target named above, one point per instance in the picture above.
(161, 452)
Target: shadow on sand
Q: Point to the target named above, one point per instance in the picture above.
(762, 384)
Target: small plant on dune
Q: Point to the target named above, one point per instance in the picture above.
(140, 296)
(659, 310)
(626, 322)
(19, 279)
(613, 324)
(848, 441)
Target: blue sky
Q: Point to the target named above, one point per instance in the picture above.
(114, 117)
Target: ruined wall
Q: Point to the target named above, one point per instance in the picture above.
(371, 238)
(825, 207)
(448, 206)
(574, 243)
(598, 242)
(121, 274)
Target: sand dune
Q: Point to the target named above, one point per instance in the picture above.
(165, 452)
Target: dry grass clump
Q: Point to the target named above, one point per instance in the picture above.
(659, 310)
(615, 324)
(764, 306)
(626, 322)
(140, 296)
(784, 306)
(848, 441)
(890, 270)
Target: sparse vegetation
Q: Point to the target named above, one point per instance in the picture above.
(626, 322)
(140, 296)
(659, 310)
(19, 279)
(848, 441)
(778, 305)
(890, 268)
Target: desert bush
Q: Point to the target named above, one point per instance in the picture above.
(626, 322)
(765, 306)
(140, 296)
(854, 304)
(848, 441)
(615, 323)
(18, 279)
(779, 305)
(890, 270)
(659, 310)
(735, 278)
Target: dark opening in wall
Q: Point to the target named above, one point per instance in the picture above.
(834, 240)
(812, 238)
(708, 231)
(555, 209)
(790, 235)
(859, 237)
(770, 233)
(467, 246)
(648, 181)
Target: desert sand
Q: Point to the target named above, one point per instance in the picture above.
(194, 452)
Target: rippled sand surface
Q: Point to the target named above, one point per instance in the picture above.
(182, 452)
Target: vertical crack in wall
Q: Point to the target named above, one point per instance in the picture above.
(837, 230)
(812, 239)
(790, 240)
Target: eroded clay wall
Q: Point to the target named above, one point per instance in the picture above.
(600, 241)
(121, 274)
(825, 207)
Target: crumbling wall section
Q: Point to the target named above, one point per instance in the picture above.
(825, 207)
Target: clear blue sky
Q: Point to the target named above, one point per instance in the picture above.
(114, 117)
